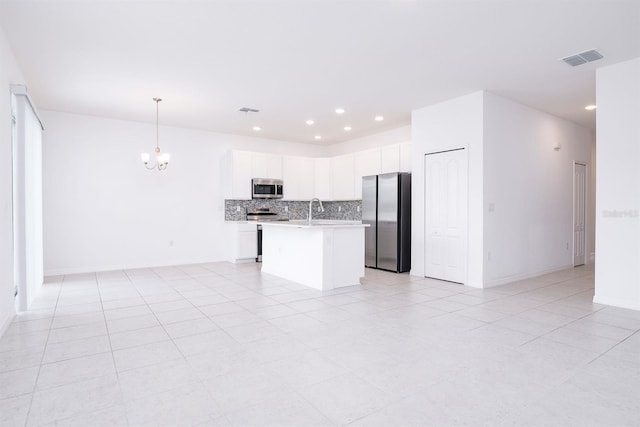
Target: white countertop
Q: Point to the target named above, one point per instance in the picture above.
(316, 223)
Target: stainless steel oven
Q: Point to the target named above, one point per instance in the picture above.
(263, 215)
(259, 258)
(266, 188)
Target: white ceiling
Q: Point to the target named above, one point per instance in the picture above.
(300, 59)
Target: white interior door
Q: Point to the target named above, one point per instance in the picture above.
(446, 215)
(579, 211)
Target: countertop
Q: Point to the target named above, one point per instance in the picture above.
(319, 223)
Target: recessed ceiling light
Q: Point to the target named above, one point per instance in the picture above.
(379, 118)
(590, 107)
(257, 128)
(347, 128)
(339, 110)
(317, 137)
(309, 122)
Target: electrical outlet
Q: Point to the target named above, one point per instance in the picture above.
(339, 208)
(237, 208)
(171, 243)
(489, 256)
(358, 208)
(286, 208)
(319, 209)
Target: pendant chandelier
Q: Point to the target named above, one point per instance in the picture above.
(162, 159)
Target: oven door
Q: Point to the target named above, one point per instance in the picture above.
(259, 258)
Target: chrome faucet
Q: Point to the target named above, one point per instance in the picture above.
(311, 203)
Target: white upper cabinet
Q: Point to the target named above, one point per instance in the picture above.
(405, 157)
(390, 158)
(266, 166)
(344, 177)
(323, 178)
(241, 175)
(246, 165)
(327, 178)
(396, 158)
(367, 163)
(298, 175)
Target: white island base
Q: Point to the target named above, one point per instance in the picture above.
(323, 256)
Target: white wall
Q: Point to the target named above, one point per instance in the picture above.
(530, 186)
(452, 124)
(617, 279)
(512, 168)
(9, 74)
(104, 210)
(393, 136)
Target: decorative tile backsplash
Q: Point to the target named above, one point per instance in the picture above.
(344, 210)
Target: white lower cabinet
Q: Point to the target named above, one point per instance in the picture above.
(247, 244)
(243, 241)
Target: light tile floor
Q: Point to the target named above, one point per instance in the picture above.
(223, 344)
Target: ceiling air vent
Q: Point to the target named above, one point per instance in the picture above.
(583, 58)
(249, 110)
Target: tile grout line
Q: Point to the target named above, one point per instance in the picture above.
(106, 324)
(243, 279)
(44, 351)
(614, 346)
(184, 357)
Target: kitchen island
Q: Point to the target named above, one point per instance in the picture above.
(322, 255)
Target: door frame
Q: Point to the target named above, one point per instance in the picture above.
(465, 222)
(585, 208)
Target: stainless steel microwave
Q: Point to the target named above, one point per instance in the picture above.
(262, 188)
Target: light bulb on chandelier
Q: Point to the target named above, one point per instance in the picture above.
(162, 159)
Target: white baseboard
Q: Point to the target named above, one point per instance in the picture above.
(244, 261)
(476, 285)
(115, 267)
(523, 276)
(506, 279)
(631, 305)
(5, 325)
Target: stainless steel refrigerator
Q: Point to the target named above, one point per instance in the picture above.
(386, 207)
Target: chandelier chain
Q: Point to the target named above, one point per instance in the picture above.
(162, 160)
(157, 122)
